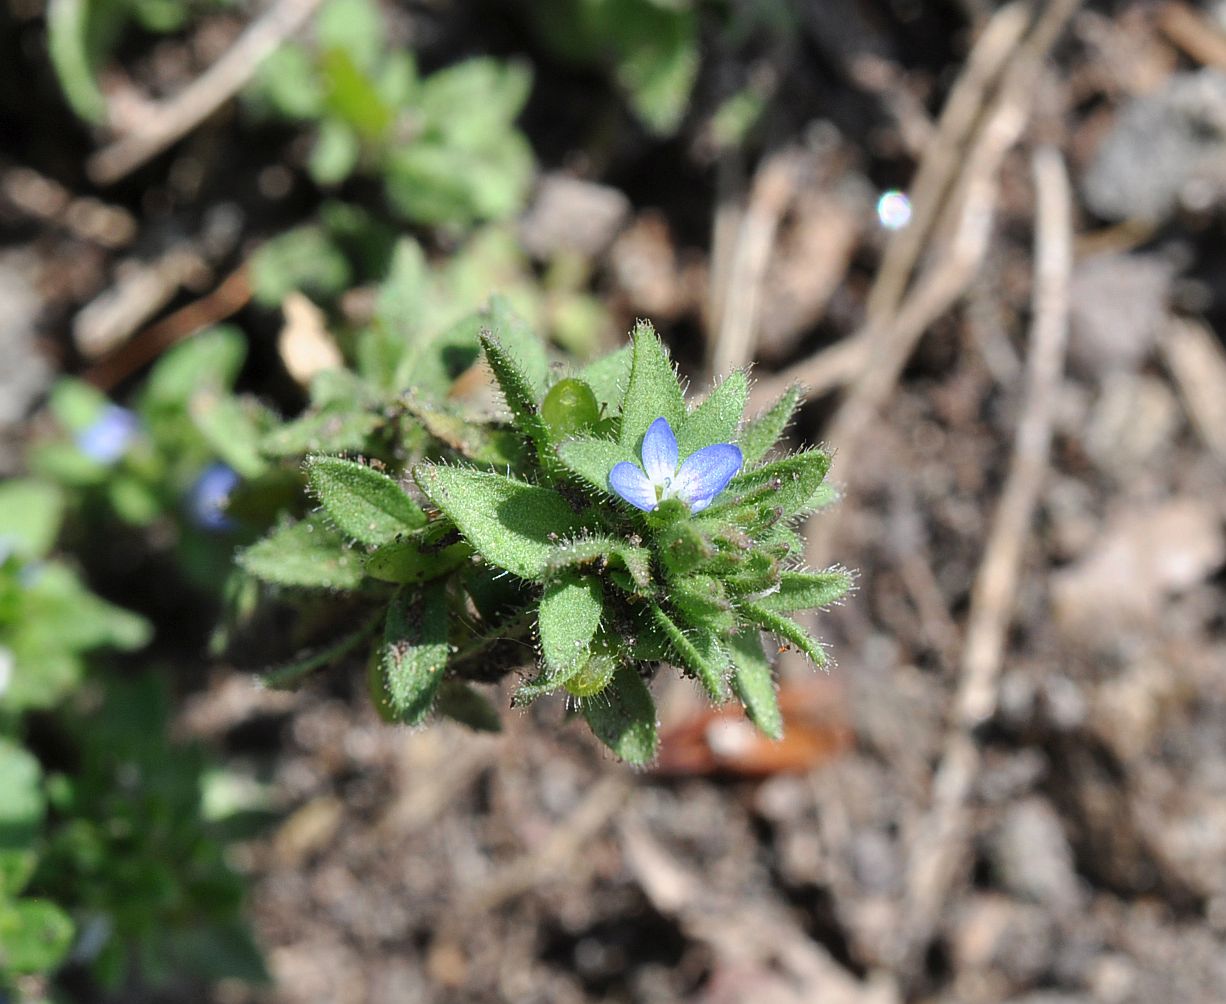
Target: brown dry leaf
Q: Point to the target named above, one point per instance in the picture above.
(724, 741)
(304, 344)
(1197, 360)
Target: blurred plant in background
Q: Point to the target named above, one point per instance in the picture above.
(444, 144)
(106, 861)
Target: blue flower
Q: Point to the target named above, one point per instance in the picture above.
(109, 436)
(210, 495)
(702, 475)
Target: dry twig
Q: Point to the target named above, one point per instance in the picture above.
(227, 299)
(749, 936)
(173, 119)
(1198, 363)
(936, 175)
(939, 844)
(773, 188)
(890, 342)
(1195, 33)
(86, 218)
(591, 816)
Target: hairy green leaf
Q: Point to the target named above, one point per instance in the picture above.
(698, 651)
(786, 488)
(786, 629)
(623, 717)
(521, 398)
(520, 342)
(683, 547)
(364, 504)
(419, 556)
(653, 391)
(704, 602)
(717, 419)
(570, 613)
(763, 432)
(591, 460)
(806, 590)
(608, 377)
(415, 651)
(509, 523)
(754, 684)
(306, 555)
(599, 549)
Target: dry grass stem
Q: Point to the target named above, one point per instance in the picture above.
(938, 846)
(171, 120)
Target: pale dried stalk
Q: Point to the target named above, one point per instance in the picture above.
(774, 187)
(890, 343)
(171, 120)
(939, 844)
(841, 363)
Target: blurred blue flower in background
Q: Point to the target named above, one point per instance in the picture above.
(110, 435)
(209, 496)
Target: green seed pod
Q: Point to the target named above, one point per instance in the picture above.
(593, 677)
(570, 408)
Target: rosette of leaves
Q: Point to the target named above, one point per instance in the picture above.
(507, 546)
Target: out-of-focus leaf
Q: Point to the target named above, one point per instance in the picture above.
(289, 81)
(209, 361)
(30, 516)
(351, 96)
(23, 805)
(335, 153)
(305, 259)
(72, 44)
(355, 27)
(34, 936)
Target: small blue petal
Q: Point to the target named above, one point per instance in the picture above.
(660, 453)
(705, 473)
(632, 485)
